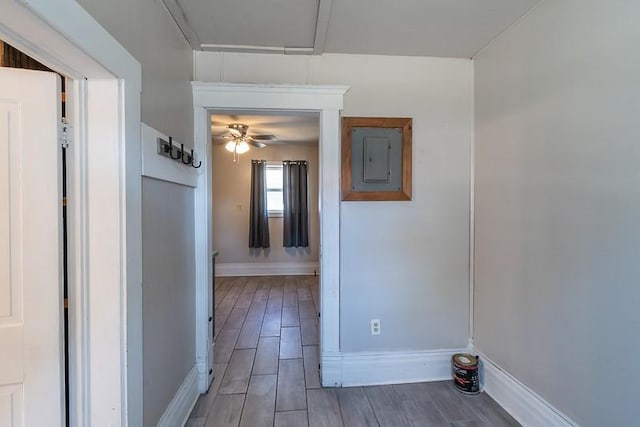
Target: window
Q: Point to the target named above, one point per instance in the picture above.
(275, 203)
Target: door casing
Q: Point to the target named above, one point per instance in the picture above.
(327, 101)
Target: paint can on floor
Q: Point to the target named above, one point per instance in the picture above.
(464, 368)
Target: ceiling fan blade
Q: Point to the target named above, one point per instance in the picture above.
(264, 137)
(256, 144)
(297, 142)
(235, 132)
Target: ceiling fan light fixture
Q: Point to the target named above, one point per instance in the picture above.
(237, 146)
(237, 129)
(242, 147)
(230, 146)
(238, 142)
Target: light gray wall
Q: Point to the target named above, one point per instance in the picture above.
(558, 206)
(231, 202)
(168, 292)
(147, 31)
(405, 263)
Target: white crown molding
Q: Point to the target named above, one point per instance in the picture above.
(238, 48)
(522, 403)
(182, 403)
(278, 88)
(267, 269)
(289, 97)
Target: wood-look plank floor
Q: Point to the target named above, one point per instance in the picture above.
(266, 370)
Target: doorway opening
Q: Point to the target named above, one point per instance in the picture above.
(276, 137)
(266, 294)
(324, 102)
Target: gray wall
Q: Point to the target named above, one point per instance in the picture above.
(405, 263)
(168, 292)
(558, 207)
(147, 31)
(231, 202)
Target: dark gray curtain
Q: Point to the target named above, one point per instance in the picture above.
(296, 204)
(258, 216)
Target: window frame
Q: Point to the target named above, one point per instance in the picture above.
(274, 213)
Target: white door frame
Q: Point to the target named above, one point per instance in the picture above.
(105, 275)
(327, 101)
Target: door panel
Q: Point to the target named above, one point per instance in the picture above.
(11, 405)
(31, 374)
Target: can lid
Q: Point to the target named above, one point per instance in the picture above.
(464, 359)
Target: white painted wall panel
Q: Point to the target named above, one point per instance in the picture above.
(243, 68)
(557, 206)
(168, 274)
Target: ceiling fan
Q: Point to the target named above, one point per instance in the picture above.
(238, 141)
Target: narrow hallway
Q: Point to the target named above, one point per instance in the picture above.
(266, 370)
(266, 351)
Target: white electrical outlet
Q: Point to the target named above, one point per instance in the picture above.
(375, 326)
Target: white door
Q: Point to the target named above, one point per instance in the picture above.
(31, 368)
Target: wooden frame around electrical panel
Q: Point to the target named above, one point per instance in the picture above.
(348, 123)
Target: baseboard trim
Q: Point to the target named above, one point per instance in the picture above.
(376, 368)
(182, 403)
(267, 269)
(331, 372)
(527, 407)
(203, 376)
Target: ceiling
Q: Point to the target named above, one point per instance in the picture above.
(447, 28)
(299, 128)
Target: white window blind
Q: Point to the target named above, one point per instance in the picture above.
(275, 204)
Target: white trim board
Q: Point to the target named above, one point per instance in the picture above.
(267, 269)
(161, 167)
(522, 403)
(182, 403)
(376, 368)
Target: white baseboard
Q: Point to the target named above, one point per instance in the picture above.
(267, 269)
(331, 372)
(375, 368)
(182, 403)
(203, 376)
(518, 400)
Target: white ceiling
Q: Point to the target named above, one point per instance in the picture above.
(298, 128)
(449, 28)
